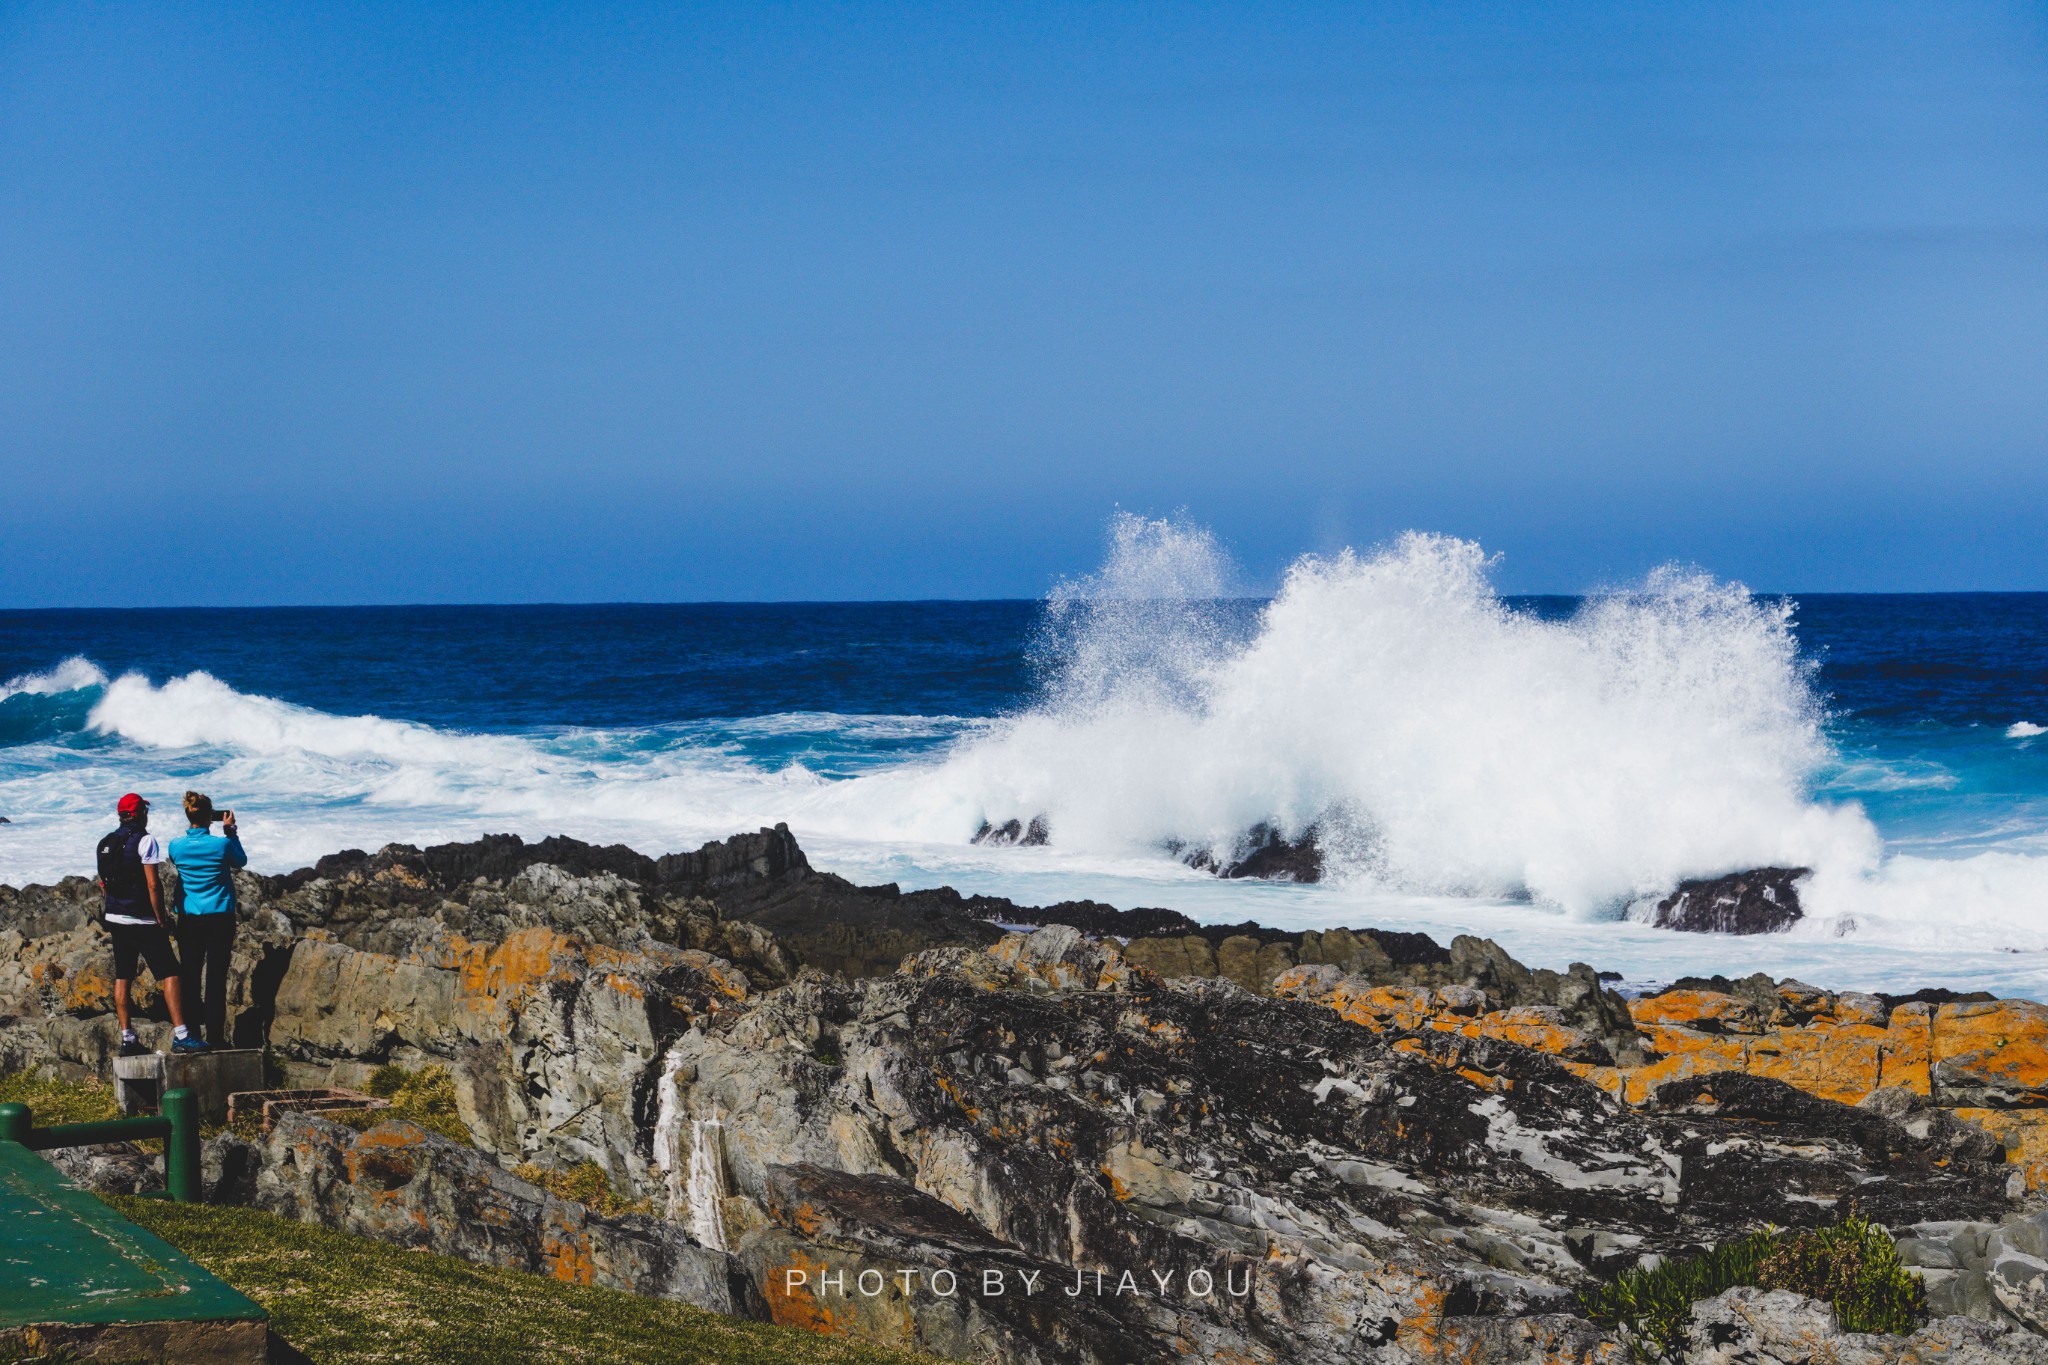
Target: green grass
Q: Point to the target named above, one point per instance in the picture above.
(343, 1299)
(1853, 1266)
(53, 1101)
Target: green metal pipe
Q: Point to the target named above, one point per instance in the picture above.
(103, 1130)
(181, 1149)
(178, 1125)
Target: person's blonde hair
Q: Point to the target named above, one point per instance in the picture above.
(198, 809)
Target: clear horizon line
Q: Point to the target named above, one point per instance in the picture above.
(895, 601)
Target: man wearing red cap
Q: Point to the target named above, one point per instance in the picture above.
(134, 915)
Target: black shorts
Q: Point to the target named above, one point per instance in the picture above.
(147, 941)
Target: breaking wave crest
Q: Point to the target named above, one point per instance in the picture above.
(73, 675)
(1438, 739)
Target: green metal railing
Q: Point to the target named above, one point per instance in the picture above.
(177, 1124)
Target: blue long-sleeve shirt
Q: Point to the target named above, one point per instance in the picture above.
(206, 865)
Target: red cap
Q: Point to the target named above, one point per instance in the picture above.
(130, 804)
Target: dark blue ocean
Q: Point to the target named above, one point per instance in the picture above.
(1527, 768)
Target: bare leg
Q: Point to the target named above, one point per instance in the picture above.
(174, 996)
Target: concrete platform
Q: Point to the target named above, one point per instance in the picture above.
(140, 1082)
(79, 1281)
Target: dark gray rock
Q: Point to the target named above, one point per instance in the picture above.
(228, 1167)
(1763, 900)
(1264, 852)
(1015, 833)
(110, 1168)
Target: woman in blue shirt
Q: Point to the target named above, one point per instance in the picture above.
(206, 864)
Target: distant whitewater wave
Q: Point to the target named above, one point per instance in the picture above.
(2025, 729)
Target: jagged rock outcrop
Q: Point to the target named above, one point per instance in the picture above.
(1763, 900)
(399, 1183)
(1975, 1063)
(1777, 1327)
(1374, 1193)
(113, 1168)
(1343, 1145)
(549, 996)
(1994, 1272)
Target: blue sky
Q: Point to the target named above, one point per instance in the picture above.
(425, 303)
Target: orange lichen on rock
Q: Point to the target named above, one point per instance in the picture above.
(1705, 1011)
(2025, 1135)
(527, 957)
(384, 1158)
(1909, 1049)
(1530, 1026)
(1834, 1061)
(1997, 1045)
(1422, 1325)
(792, 1302)
(1383, 1007)
(90, 990)
(1985, 1061)
(625, 985)
(566, 1253)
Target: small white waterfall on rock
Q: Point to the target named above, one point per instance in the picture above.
(696, 1183)
(706, 1187)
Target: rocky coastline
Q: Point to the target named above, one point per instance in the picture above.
(1083, 1134)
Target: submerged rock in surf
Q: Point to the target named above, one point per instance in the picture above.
(1016, 833)
(1265, 853)
(1763, 900)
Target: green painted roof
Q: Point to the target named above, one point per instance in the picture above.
(67, 1257)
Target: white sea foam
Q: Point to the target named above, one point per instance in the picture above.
(72, 675)
(2025, 729)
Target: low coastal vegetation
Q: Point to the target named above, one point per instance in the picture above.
(425, 1096)
(1852, 1266)
(53, 1100)
(341, 1298)
(585, 1183)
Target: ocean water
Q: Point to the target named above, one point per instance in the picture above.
(1530, 769)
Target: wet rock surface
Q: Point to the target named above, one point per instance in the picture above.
(1014, 833)
(1266, 853)
(1226, 1141)
(1763, 900)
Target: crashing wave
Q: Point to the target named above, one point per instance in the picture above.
(75, 674)
(1658, 734)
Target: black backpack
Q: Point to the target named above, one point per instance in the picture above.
(121, 873)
